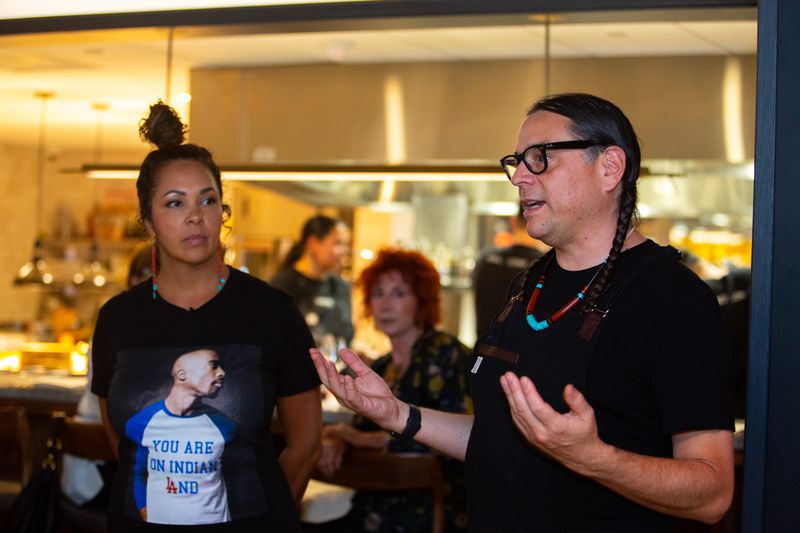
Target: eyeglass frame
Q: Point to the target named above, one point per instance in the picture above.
(543, 147)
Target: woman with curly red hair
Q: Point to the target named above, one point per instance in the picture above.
(425, 367)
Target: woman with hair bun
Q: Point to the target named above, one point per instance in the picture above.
(193, 433)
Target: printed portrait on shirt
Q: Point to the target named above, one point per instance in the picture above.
(184, 432)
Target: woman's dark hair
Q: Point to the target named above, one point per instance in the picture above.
(596, 119)
(416, 270)
(163, 129)
(318, 226)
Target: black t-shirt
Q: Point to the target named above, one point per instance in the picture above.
(658, 366)
(324, 304)
(493, 272)
(212, 466)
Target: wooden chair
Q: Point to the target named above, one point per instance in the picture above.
(15, 455)
(87, 440)
(376, 470)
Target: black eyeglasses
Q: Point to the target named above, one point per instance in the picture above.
(535, 156)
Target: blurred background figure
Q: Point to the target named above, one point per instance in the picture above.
(731, 285)
(140, 267)
(710, 273)
(426, 367)
(310, 273)
(497, 266)
(736, 322)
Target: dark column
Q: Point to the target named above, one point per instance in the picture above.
(772, 461)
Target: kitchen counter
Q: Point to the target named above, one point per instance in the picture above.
(41, 394)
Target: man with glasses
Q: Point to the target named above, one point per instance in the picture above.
(602, 391)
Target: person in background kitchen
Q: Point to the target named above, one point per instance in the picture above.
(194, 303)
(495, 269)
(310, 273)
(428, 367)
(602, 391)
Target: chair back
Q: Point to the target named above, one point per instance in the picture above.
(16, 456)
(378, 470)
(15, 444)
(86, 440)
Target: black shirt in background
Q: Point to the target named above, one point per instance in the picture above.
(493, 273)
(736, 319)
(325, 304)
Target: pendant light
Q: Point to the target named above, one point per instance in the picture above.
(35, 271)
(93, 272)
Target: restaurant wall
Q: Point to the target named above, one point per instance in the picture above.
(17, 201)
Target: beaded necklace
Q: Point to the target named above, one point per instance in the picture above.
(539, 325)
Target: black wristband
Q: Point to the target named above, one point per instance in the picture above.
(413, 424)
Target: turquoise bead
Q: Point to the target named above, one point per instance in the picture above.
(536, 324)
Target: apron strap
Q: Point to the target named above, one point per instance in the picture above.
(594, 317)
(517, 289)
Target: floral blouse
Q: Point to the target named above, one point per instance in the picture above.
(437, 378)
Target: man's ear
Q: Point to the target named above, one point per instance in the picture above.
(613, 164)
(181, 374)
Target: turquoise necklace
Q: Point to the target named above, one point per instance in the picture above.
(540, 325)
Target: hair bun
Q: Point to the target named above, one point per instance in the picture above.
(163, 127)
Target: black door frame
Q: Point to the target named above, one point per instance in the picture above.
(772, 468)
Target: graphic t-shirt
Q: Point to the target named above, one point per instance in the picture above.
(191, 395)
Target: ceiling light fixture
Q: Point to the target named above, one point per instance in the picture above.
(35, 271)
(93, 272)
(297, 173)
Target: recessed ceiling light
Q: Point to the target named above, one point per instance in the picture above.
(544, 17)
